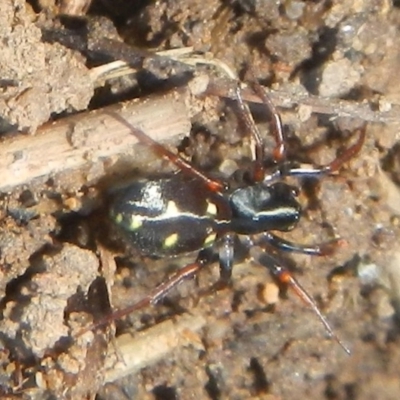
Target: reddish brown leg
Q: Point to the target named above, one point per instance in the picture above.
(279, 152)
(313, 171)
(348, 154)
(155, 295)
(245, 114)
(182, 164)
(283, 276)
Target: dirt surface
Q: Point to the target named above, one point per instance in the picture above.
(61, 264)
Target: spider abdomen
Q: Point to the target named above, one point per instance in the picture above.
(166, 216)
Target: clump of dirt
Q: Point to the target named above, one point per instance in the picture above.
(38, 79)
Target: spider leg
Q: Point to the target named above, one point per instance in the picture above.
(226, 258)
(319, 249)
(279, 152)
(160, 150)
(353, 150)
(159, 292)
(251, 127)
(283, 276)
(334, 165)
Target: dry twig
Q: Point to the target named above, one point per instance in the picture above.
(86, 138)
(226, 87)
(317, 104)
(150, 346)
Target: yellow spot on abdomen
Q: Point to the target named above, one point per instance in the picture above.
(210, 239)
(211, 208)
(171, 240)
(118, 218)
(136, 222)
(172, 210)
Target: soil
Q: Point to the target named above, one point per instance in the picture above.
(62, 265)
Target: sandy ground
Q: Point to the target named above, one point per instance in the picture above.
(61, 263)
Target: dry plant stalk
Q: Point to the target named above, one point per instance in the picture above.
(76, 8)
(225, 85)
(73, 142)
(317, 104)
(148, 347)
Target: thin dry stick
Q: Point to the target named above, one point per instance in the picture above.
(226, 87)
(150, 346)
(317, 104)
(86, 138)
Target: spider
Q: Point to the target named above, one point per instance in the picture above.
(190, 211)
